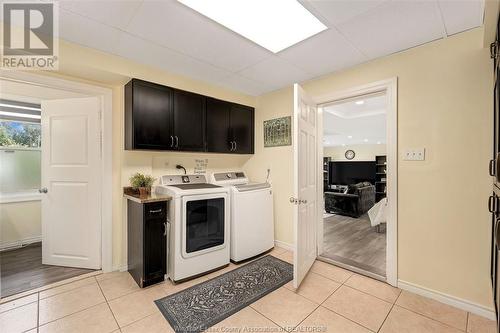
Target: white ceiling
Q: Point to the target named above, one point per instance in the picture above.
(347, 123)
(170, 36)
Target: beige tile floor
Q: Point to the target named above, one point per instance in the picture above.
(330, 299)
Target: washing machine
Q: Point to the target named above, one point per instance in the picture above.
(198, 225)
(252, 222)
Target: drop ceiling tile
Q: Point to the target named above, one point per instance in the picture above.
(175, 26)
(275, 72)
(148, 53)
(114, 13)
(461, 15)
(244, 85)
(394, 26)
(340, 11)
(324, 53)
(81, 30)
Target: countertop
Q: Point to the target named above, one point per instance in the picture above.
(130, 194)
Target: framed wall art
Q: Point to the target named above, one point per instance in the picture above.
(278, 132)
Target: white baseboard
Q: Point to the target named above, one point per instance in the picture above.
(284, 245)
(120, 268)
(4, 246)
(463, 304)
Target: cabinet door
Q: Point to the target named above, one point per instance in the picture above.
(242, 128)
(154, 249)
(151, 116)
(218, 127)
(189, 121)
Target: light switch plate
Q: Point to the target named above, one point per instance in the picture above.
(417, 154)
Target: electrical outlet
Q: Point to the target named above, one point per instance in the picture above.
(417, 154)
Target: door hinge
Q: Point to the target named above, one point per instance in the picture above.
(100, 131)
(494, 50)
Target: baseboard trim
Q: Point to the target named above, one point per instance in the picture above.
(4, 246)
(283, 245)
(119, 268)
(462, 304)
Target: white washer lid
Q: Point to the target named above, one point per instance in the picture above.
(252, 187)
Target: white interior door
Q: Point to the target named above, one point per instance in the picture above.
(305, 183)
(71, 182)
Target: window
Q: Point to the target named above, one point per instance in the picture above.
(20, 134)
(20, 153)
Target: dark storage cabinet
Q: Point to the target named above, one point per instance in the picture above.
(218, 126)
(164, 118)
(189, 121)
(242, 128)
(147, 241)
(494, 172)
(230, 127)
(148, 116)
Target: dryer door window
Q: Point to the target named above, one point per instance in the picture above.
(204, 224)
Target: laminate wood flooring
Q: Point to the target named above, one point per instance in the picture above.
(22, 270)
(354, 242)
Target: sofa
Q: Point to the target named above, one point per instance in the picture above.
(356, 201)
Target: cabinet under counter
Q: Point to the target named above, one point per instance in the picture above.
(147, 237)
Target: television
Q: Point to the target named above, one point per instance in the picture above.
(347, 173)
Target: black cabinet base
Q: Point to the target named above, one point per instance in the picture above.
(146, 240)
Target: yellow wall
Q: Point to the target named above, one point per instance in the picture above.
(277, 159)
(19, 221)
(361, 152)
(444, 105)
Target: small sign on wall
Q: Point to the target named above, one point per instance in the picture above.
(278, 132)
(200, 167)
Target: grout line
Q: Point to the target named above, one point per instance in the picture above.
(263, 315)
(109, 307)
(69, 290)
(38, 313)
(430, 318)
(26, 293)
(81, 310)
(387, 316)
(467, 322)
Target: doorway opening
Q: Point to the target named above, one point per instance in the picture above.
(53, 223)
(354, 183)
(357, 223)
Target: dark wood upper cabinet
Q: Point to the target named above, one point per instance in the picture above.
(218, 126)
(189, 121)
(230, 127)
(148, 116)
(164, 118)
(242, 128)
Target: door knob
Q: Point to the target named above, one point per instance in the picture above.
(303, 201)
(43, 190)
(294, 201)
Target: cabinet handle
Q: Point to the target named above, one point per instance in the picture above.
(164, 228)
(492, 204)
(492, 168)
(155, 211)
(232, 146)
(171, 141)
(235, 146)
(176, 141)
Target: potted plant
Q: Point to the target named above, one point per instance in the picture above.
(142, 182)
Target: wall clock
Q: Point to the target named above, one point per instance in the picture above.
(349, 154)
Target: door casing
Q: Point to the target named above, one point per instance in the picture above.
(105, 96)
(389, 86)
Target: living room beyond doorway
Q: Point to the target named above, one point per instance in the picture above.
(355, 183)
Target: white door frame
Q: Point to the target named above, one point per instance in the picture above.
(105, 95)
(390, 87)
